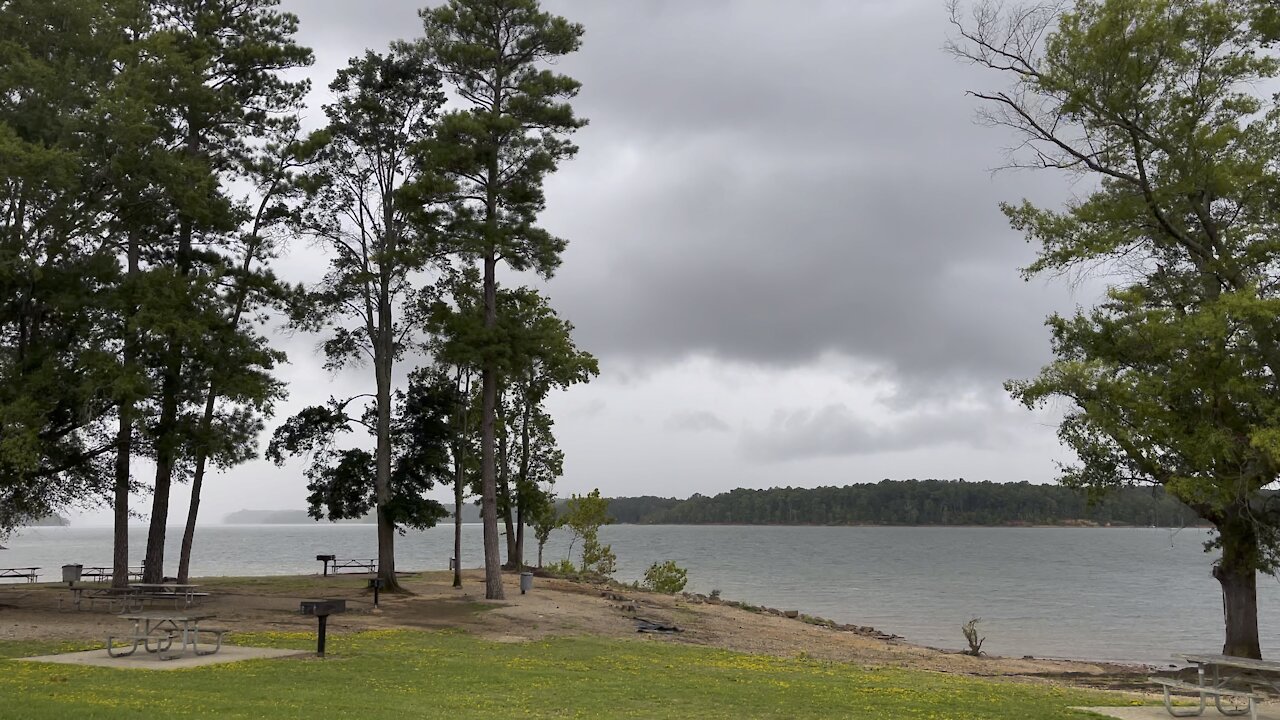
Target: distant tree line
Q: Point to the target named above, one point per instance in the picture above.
(912, 502)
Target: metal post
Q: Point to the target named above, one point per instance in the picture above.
(377, 583)
(320, 639)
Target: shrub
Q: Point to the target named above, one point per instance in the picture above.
(598, 558)
(562, 567)
(666, 578)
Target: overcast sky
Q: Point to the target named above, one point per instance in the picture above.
(784, 248)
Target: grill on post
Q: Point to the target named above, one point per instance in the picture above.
(322, 609)
(326, 559)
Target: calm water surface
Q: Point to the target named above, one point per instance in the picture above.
(1125, 594)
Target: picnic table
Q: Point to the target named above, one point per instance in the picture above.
(26, 573)
(178, 592)
(93, 592)
(155, 632)
(1238, 680)
(103, 574)
(333, 563)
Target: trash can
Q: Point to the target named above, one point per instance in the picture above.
(71, 573)
(526, 582)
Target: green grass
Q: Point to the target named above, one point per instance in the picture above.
(391, 674)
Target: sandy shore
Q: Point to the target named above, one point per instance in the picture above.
(553, 608)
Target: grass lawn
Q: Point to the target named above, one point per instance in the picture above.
(393, 674)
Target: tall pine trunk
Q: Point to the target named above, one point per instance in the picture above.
(522, 482)
(504, 488)
(166, 457)
(382, 477)
(206, 420)
(489, 402)
(197, 484)
(1237, 573)
(457, 521)
(519, 556)
(124, 449)
(459, 469)
(167, 441)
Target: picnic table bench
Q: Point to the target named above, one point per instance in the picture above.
(334, 563)
(1237, 679)
(155, 632)
(27, 573)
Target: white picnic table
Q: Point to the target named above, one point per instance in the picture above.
(156, 631)
(1237, 679)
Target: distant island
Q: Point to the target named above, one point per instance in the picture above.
(889, 502)
(48, 521)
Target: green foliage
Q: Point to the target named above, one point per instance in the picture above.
(341, 481)
(512, 135)
(597, 557)
(563, 568)
(544, 519)
(1172, 379)
(584, 515)
(666, 577)
(56, 361)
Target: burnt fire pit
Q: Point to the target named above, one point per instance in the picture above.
(322, 609)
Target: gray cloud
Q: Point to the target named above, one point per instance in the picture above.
(767, 185)
(834, 431)
(696, 421)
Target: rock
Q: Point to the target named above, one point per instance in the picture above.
(792, 614)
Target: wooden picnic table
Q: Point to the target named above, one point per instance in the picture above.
(1237, 679)
(156, 631)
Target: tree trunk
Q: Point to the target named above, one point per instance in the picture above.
(1238, 575)
(167, 435)
(153, 565)
(504, 488)
(457, 518)
(540, 546)
(461, 431)
(523, 490)
(120, 544)
(124, 449)
(519, 556)
(197, 483)
(206, 420)
(382, 476)
(489, 401)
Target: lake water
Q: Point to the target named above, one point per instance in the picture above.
(1123, 594)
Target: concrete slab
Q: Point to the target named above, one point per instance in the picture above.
(142, 660)
(1268, 711)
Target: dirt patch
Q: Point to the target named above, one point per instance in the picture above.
(553, 608)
